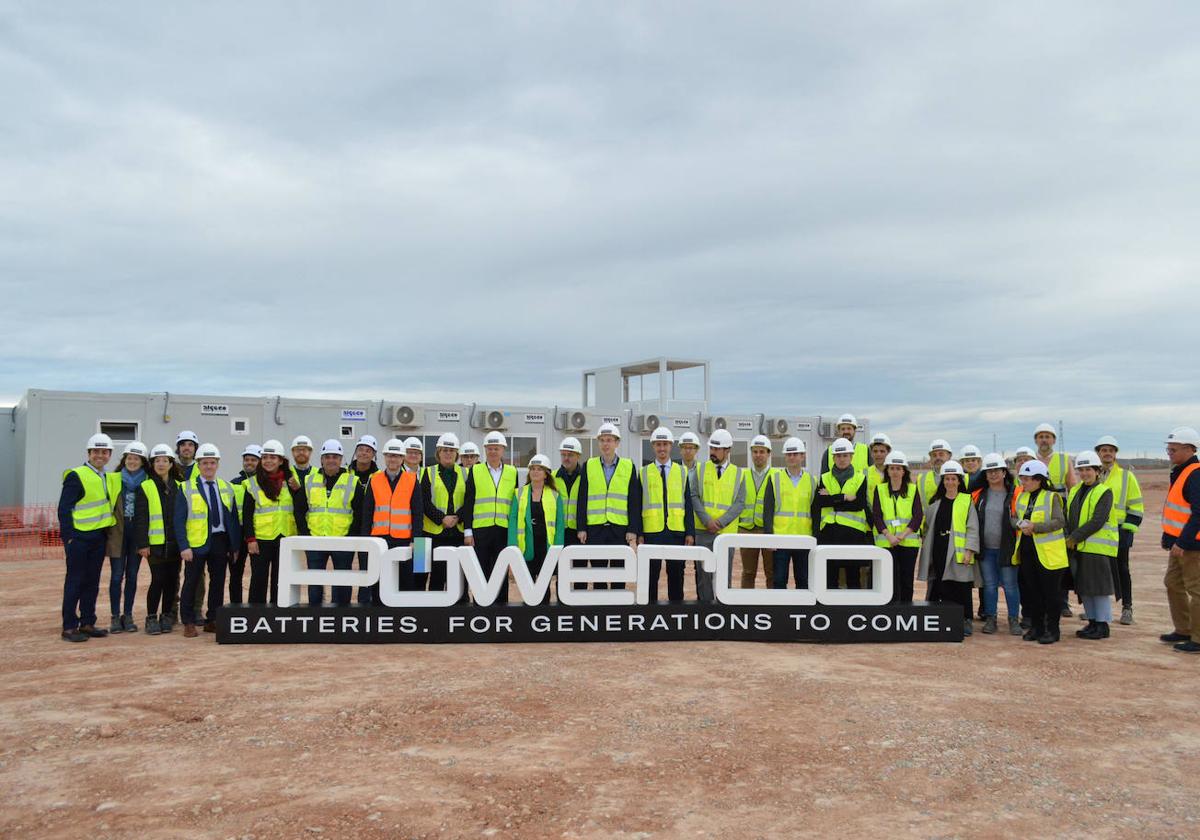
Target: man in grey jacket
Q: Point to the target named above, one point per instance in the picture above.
(719, 514)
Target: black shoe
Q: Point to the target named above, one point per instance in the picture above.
(1171, 638)
(74, 636)
(1187, 647)
(1048, 639)
(1104, 631)
(93, 631)
(1092, 631)
(1031, 635)
(1025, 623)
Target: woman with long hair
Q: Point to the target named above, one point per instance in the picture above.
(1093, 535)
(123, 558)
(1040, 551)
(274, 508)
(153, 516)
(539, 521)
(897, 515)
(951, 543)
(992, 501)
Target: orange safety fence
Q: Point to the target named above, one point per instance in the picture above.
(30, 532)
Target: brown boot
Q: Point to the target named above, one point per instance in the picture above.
(189, 631)
(210, 627)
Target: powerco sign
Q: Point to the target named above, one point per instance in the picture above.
(814, 614)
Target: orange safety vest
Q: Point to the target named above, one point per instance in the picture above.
(1176, 509)
(393, 514)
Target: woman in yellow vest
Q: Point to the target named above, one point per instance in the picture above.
(951, 543)
(841, 502)
(274, 508)
(153, 520)
(1093, 535)
(539, 519)
(897, 514)
(1041, 551)
(443, 491)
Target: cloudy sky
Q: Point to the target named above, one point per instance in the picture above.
(958, 219)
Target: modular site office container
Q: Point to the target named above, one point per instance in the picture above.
(48, 429)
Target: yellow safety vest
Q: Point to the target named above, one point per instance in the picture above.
(570, 499)
(95, 510)
(197, 508)
(1059, 468)
(608, 503)
(654, 519)
(1127, 496)
(156, 530)
(793, 503)
(855, 519)
(492, 502)
(958, 524)
(1105, 540)
(1052, 545)
(441, 498)
(752, 513)
(897, 513)
(330, 513)
(860, 460)
(271, 518)
(718, 493)
(549, 511)
(928, 485)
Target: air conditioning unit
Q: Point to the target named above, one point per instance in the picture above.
(711, 423)
(407, 417)
(826, 429)
(775, 427)
(575, 421)
(720, 423)
(494, 419)
(646, 422)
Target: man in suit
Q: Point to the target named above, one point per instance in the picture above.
(208, 530)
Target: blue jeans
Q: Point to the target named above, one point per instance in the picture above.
(124, 569)
(995, 575)
(798, 561)
(1098, 607)
(342, 561)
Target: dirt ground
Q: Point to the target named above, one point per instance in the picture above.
(163, 737)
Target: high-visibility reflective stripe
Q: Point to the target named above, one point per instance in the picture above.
(156, 532)
(793, 514)
(1177, 508)
(102, 503)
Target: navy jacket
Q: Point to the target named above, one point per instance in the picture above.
(233, 528)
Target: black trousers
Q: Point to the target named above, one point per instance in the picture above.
(366, 594)
(216, 560)
(1121, 577)
(571, 537)
(606, 535)
(1040, 595)
(264, 572)
(489, 542)
(856, 574)
(950, 591)
(237, 572)
(675, 568)
(435, 579)
(904, 566)
(164, 582)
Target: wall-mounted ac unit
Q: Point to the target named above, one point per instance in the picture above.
(775, 427)
(403, 416)
(575, 421)
(493, 419)
(646, 422)
(826, 429)
(712, 423)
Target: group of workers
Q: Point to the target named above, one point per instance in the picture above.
(1058, 526)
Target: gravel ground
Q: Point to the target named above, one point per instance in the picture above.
(162, 737)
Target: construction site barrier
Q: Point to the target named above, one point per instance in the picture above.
(30, 532)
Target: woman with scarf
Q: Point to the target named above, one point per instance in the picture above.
(538, 521)
(274, 507)
(153, 515)
(951, 543)
(123, 558)
(1093, 535)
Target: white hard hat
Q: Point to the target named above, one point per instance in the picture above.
(414, 443)
(136, 447)
(761, 440)
(302, 440)
(495, 439)
(273, 447)
(1045, 427)
(252, 449)
(971, 451)
(570, 444)
(99, 441)
(895, 458)
(1034, 467)
(1088, 458)
(469, 448)
(368, 440)
(161, 449)
(662, 433)
(689, 437)
(608, 429)
(448, 441)
(1107, 440)
(541, 461)
(721, 439)
(1185, 435)
(952, 468)
(186, 435)
(881, 438)
(939, 444)
(994, 461)
(793, 445)
(1024, 450)
(841, 446)
(847, 419)
(395, 446)
(332, 447)
(208, 450)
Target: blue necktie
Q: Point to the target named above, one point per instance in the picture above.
(214, 507)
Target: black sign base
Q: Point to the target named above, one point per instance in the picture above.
(920, 622)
